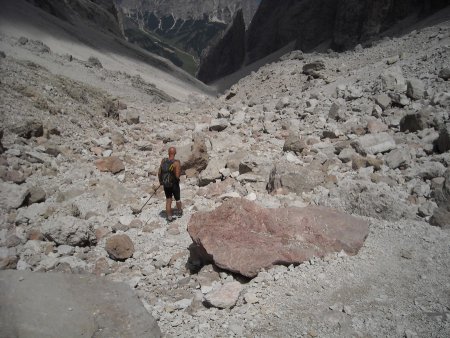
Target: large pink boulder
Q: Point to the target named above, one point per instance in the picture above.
(243, 237)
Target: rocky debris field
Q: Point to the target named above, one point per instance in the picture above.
(365, 132)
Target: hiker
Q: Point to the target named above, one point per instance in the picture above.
(169, 177)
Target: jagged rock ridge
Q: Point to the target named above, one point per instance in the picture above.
(102, 13)
(222, 60)
(323, 24)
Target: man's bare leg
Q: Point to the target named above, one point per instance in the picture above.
(169, 207)
(179, 209)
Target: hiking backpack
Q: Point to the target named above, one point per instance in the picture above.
(167, 173)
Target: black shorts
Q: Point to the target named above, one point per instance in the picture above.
(173, 192)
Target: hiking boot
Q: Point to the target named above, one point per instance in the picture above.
(170, 219)
(179, 213)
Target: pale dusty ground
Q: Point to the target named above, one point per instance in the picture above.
(397, 286)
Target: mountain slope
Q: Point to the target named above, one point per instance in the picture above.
(82, 38)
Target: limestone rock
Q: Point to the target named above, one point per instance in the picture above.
(28, 129)
(444, 73)
(88, 206)
(69, 230)
(12, 196)
(362, 197)
(197, 156)
(374, 144)
(110, 164)
(441, 215)
(218, 125)
(383, 100)
(14, 176)
(241, 236)
(132, 117)
(212, 171)
(415, 89)
(314, 68)
(398, 158)
(427, 170)
(414, 122)
(294, 143)
(37, 195)
(2, 149)
(376, 126)
(392, 79)
(225, 297)
(8, 263)
(441, 99)
(294, 178)
(441, 218)
(71, 305)
(443, 142)
(119, 247)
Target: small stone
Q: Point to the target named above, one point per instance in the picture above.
(110, 164)
(445, 74)
(383, 101)
(415, 89)
(37, 195)
(251, 298)
(312, 333)
(225, 297)
(119, 247)
(406, 254)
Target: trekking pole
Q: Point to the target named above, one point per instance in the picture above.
(140, 210)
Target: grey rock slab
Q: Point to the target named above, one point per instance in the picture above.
(69, 230)
(37, 195)
(443, 142)
(295, 143)
(383, 100)
(346, 154)
(212, 171)
(426, 170)
(88, 206)
(65, 250)
(218, 124)
(12, 196)
(37, 157)
(66, 305)
(444, 73)
(441, 99)
(362, 197)
(398, 158)
(132, 117)
(294, 178)
(415, 89)
(374, 144)
(392, 79)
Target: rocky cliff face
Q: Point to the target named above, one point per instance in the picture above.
(102, 13)
(323, 24)
(216, 10)
(227, 55)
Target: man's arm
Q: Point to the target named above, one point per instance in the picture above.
(159, 172)
(177, 167)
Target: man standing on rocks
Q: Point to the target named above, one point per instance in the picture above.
(169, 177)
